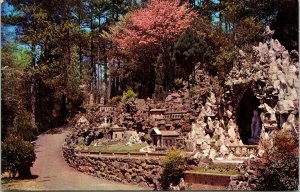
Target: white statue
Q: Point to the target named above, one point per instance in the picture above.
(271, 111)
(224, 150)
(285, 61)
(231, 129)
(289, 125)
(210, 123)
(212, 154)
(102, 100)
(255, 128)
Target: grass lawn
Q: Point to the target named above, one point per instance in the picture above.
(22, 185)
(120, 147)
(218, 170)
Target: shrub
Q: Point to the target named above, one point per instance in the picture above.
(129, 94)
(147, 138)
(174, 166)
(22, 127)
(178, 82)
(115, 100)
(281, 171)
(17, 156)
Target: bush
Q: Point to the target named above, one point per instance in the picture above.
(22, 127)
(281, 172)
(17, 156)
(115, 100)
(129, 94)
(147, 138)
(178, 83)
(174, 166)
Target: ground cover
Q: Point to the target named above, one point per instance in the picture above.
(118, 147)
(218, 169)
(17, 184)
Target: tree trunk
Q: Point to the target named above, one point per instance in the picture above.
(109, 84)
(24, 171)
(33, 101)
(159, 81)
(79, 44)
(33, 90)
(92, 54)
(106, 77)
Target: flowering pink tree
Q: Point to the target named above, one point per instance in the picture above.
(155, 26)
(151, 32)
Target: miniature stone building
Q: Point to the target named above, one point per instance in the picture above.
(116, 132)
(157, 113)
(164, 138)
(161, 123)
(106, 108)
(175, 115)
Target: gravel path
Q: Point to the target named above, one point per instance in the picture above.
(55, 174)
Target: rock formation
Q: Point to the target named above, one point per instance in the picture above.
(271, 73)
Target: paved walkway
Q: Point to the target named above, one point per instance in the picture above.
(55, 174)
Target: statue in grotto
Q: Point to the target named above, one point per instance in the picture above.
(256, 125)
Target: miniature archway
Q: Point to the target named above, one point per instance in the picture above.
(247, 104)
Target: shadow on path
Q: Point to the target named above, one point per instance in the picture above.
(55, 174)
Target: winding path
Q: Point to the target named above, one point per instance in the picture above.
(55, 174)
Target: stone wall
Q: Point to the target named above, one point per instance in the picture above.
(207, 179)
(135, 170)
(249, 177)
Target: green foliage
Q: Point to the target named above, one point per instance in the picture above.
(281, 171)
(15, 98)
(22, 127)
(119, 147)
(59, 54)
(281, 174)
(80, 141)
(17, 156)
(15, 56)
(224, 61)
(218, 169)
(128, 103)
(129, 94)
(245, 39)
(207, 44)
(192, 47)
(173, 168)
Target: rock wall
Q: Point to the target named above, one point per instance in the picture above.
(207, 179)
(249, 177)
(142, 171)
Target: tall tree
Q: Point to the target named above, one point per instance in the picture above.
(151, 32)
(50, 29)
